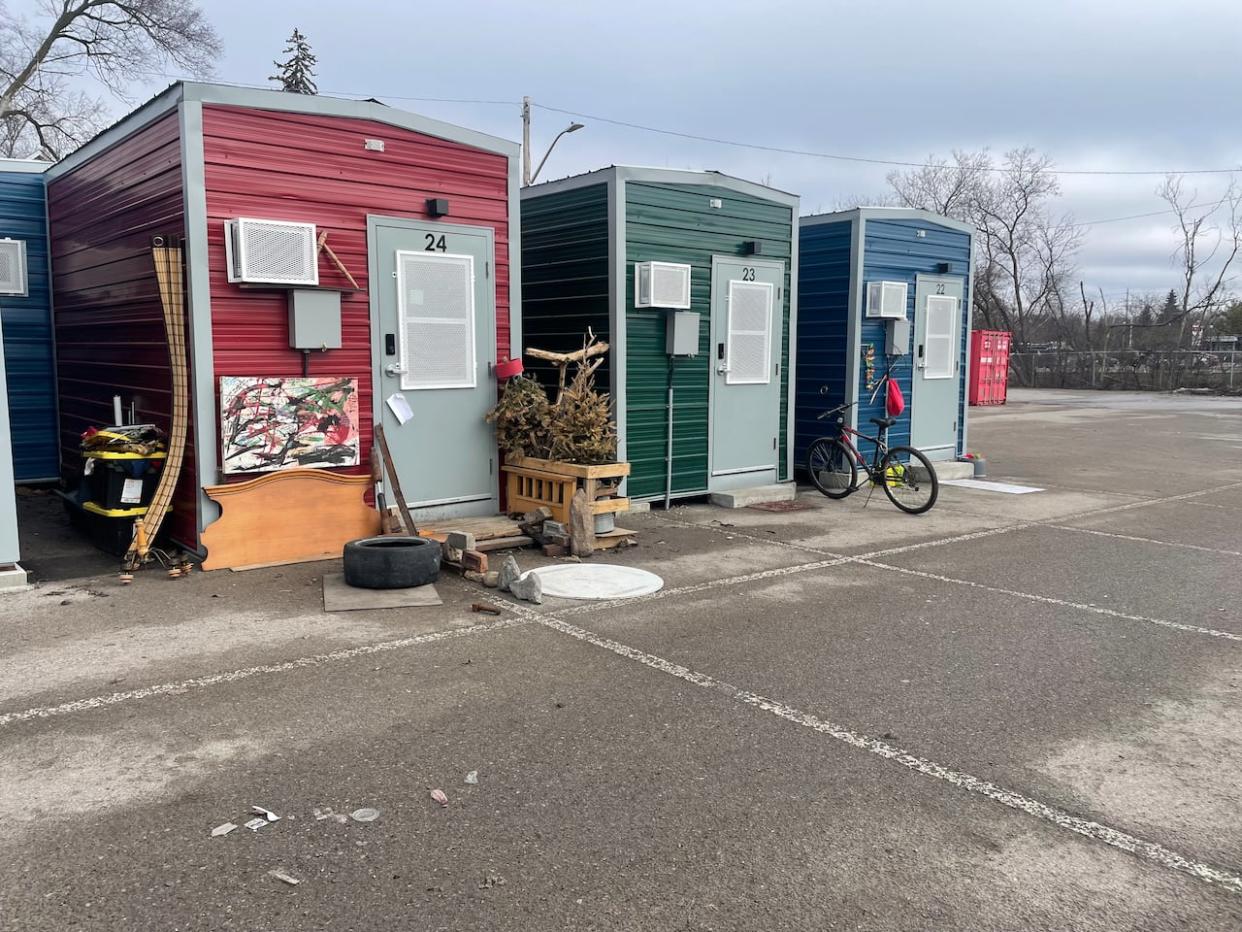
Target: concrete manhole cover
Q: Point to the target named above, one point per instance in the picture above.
(596, 581)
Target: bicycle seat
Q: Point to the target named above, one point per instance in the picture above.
(884, 422)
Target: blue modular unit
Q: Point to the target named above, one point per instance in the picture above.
(846, 260)
(26, 315)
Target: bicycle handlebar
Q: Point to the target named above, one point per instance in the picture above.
(836, 410)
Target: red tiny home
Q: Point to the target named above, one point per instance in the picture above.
(989, 367)
(421, 215)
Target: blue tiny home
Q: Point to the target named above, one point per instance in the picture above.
(26, 320)
(880, 287)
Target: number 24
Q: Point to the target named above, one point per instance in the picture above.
(434, 244)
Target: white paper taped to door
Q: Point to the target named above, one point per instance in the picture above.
(400, 407)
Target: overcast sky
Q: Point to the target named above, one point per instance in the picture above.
(1096, 85)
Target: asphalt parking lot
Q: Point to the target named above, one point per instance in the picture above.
(1015, 712)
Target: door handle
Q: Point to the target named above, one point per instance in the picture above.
(722, 368)
(394, 369)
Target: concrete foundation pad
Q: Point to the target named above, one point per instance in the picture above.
(639, 508)
(755, 495)
(951, 469)
(13, 578)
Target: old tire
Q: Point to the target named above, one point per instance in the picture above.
(391, 562)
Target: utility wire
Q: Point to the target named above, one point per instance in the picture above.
(744, 145)
(863, 159)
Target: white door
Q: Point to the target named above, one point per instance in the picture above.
(937, 386)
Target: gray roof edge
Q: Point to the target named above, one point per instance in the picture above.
(668, 176)
(572, 183)
(24, 166)
(159, 105)
(260, 99)
(263, 99)
(714, 178)
(887, 213)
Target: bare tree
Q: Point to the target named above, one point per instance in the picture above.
(1208, 242)
(942, 187)
(1025, 255)
(113, 41)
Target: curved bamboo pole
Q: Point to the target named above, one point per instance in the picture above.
(168, 271)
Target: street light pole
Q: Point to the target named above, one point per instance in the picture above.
(528, 177)
(525, 141)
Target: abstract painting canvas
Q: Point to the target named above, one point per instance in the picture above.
(269, 423)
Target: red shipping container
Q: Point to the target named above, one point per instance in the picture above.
(989, 367)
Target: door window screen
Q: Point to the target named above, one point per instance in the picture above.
(750, 333)
(939, 345)
(436, 301)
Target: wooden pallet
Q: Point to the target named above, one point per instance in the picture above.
(535, 483)
(496, 532)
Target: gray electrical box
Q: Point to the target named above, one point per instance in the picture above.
(682, 328)
(314, 319)
(898, 343)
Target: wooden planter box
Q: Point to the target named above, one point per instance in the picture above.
(533, 483)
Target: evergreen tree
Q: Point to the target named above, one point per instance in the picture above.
(297, 74)
(1170, 309)
(1231, 319)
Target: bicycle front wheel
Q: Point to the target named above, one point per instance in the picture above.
(909, 480)
(832, 469)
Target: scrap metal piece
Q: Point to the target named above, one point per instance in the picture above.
(266, 813)
(255, 824)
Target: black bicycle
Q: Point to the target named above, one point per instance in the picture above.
(906, 475)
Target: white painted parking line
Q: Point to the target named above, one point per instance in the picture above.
(1147, 850)
(940, 542)
(1048, 600)
(233, 676)
(1147, 540)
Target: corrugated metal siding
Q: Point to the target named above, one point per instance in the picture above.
(892, 252)
(825, 262)
(28, 357)
(673, 223)
(565, 274)
(314, 169)
(109, 318)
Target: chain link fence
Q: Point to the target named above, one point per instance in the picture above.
(1129, 370)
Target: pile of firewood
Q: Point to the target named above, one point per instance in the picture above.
(575, 428)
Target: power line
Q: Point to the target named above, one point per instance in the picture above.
(746, 145)
(863, 159)
(1154, 213)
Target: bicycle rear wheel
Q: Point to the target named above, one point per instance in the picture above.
(832, 468)
(909, 480)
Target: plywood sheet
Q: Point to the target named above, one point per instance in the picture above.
(290, 516)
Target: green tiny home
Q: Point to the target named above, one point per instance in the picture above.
(691, 278)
